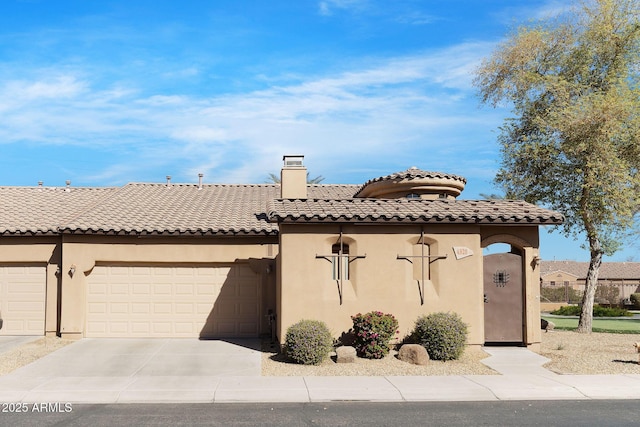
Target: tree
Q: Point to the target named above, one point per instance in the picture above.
(273, 178)
(492, 196)
(573, 143)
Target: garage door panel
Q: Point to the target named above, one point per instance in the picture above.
(185, 301)
(140, 327)
(183, 289)
(161, 289)
(226, 328)
(100, 308)
(118, 308)
(248, 328)
(164, 308)
(22, 299)
(141, 271)
(140, 308)
(245, 309)
(184, 308)
(141, 289)
(117, 327)
(119, 288)
(97, 288)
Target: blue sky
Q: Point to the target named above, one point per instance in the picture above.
(108, 92)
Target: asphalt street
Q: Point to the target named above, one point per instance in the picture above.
(502, 413)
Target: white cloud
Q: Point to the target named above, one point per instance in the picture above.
(326, 7)
(51, 89)
(416, 18)
(521, 13)
(402, 107)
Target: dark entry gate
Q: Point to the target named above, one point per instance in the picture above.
(503, 294)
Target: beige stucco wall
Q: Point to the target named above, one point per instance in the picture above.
(301, 286)
(380, 281)
(559, 277)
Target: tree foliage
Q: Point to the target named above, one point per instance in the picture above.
(573, 143)
(275, 179)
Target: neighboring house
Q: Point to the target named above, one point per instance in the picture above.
(207, 260)
(616, 280)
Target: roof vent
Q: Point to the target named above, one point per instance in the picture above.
(40, 185)
(293, 161)
(68, 182)
(200, 181)
(168, 180)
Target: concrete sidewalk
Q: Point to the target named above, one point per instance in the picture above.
(140, 377)
(323, 389)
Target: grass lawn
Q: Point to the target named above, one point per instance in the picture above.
(619, 326)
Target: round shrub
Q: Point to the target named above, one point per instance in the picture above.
(308, 342)
(373, 333)
(443, 335)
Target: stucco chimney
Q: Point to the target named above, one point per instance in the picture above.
(293, 178)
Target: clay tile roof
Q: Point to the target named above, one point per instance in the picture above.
(145, 209)
(184, 209)
(608, 270)
(412, 173)
(404, 210)
(330, 191)
(42, 210)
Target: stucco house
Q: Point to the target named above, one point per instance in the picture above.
(616, 280)
(213, 261)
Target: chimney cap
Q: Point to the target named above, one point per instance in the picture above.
(293, 160)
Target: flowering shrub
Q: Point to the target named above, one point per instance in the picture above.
(308, 342)
(373, 333)
(443, 335)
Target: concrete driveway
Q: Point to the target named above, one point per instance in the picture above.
(110, 370)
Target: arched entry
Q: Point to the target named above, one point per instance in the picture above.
(503, 297)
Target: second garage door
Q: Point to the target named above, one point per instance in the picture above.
(22, 299)
(182, 301)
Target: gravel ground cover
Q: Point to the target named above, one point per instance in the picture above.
(595, 353)
(29, 352)
(274, 364)
(570, 353)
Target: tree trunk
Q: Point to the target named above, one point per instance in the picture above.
(586, 312)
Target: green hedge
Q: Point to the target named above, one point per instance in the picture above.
(635, 299)
(598, 311)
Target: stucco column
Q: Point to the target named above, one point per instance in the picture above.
(533, 335)
(72, 290)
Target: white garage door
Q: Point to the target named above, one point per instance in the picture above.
(22, 299)
(185, 301)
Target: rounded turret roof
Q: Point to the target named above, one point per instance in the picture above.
(413, 181)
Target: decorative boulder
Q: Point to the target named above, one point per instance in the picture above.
(345, 354)
(413, 353)
(546, 325)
